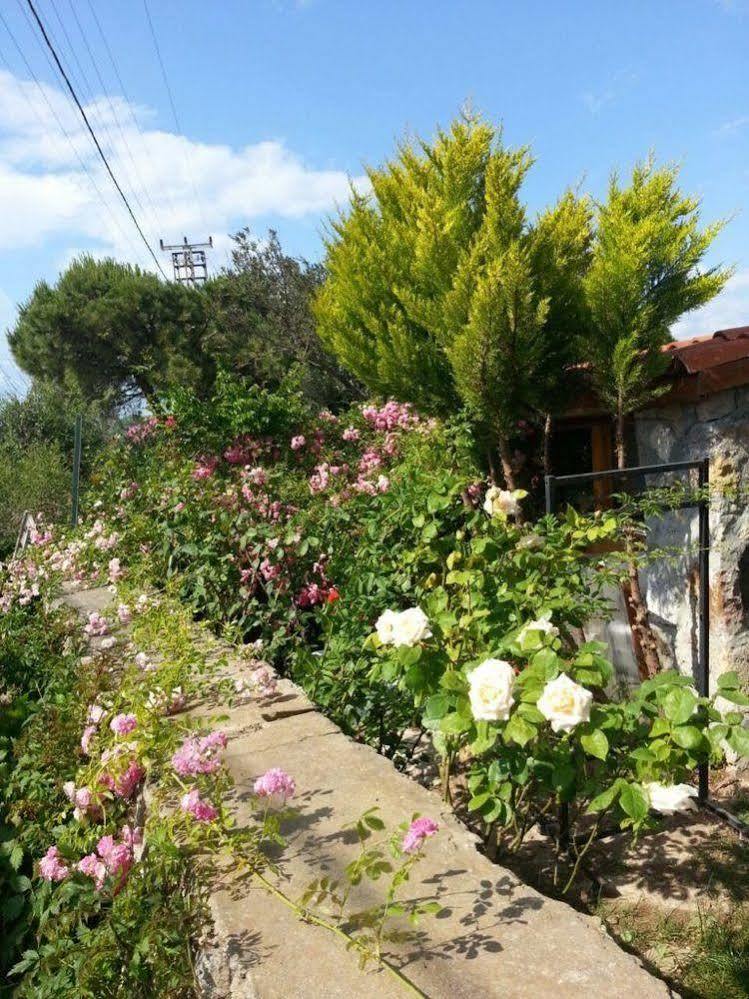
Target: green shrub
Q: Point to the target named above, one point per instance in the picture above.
(36, 453)
(36, 479)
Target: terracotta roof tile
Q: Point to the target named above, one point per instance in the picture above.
(702, 353)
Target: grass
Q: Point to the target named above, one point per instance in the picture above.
(704, 954)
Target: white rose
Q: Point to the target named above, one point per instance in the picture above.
(410, 627)
(565, 703)
(502, 501)
(490, 690)
(531, 542)
(385, 625)
(541, 625)
(670, 798)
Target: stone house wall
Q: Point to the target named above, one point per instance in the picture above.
(718, 428)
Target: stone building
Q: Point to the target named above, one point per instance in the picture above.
(704, 414)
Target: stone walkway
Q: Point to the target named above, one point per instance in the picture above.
(495, 937)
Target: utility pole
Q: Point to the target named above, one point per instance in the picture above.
(76, 470)
(188, 260)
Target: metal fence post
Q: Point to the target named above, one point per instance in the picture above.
(77, 433)
(550, 493)
(703, 675)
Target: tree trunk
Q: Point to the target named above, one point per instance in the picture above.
(508, 471)
(646, 646)
(621, 450)
(490, 462)
(505, 456)
(548, 427)
(648, 661)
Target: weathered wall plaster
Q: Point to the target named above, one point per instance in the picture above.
(718, 428)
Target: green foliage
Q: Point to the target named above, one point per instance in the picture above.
(37, 479)
(238, 408)
(45, 415)
(262, 325)
(604, 763)
(369, 543)
(132, 932)
(705, 953)
(37, 680)
(71, 940)
(496, 355)
(113, 329)
(117, 333)
(439, 290)
(36, 452)
(295, 550)
(646, 271)
(136, 944)
(425, 540)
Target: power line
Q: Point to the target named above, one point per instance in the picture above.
(174, 108)
(94, 106)
(125, 94)
(53, 112)
(116, 119)
(10, 380)
(87, 90)
(100, 151)
(137, 253)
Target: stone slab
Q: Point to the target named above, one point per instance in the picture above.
(496, 936)
(86, 601)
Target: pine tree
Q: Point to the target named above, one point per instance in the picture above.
(114, 330)
(645, 273)
(441, 292)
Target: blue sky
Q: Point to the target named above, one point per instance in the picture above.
(281, 102)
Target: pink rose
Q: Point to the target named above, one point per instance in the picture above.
(194, 805)
(123, 724)
(275, 787)
(52, 867)
(417, 832)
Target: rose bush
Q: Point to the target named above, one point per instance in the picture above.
(539, 727)
(114, 904)
(298, 534)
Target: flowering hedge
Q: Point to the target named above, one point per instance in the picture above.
(98, 894)
(297, 533)
(364, 555)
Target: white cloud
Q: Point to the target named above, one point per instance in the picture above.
(45, 193)
(47, 200)
(734, 125)
(730, 308)
(619, 84)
